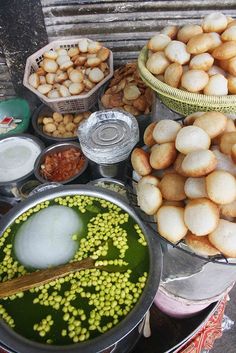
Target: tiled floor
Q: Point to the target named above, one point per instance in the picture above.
(227, 343)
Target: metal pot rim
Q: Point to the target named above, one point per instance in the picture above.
(22, 345)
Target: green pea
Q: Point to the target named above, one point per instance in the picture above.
(66, 317)
(71, 327)
(77, 323)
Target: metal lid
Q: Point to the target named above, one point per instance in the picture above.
(108, 136)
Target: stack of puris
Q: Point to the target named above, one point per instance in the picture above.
(187, 181)
(196, 58)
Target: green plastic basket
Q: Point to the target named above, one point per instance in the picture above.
(182, 102)
(17, 108)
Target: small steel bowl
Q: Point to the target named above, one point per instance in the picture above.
(110, 183)
(11, 188)
(54, 149)
(44, 110)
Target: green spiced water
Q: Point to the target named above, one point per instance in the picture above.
(85, 304)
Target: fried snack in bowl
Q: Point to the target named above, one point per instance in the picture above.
(127, 91)
(59, 65)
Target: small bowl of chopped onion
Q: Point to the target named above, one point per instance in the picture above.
(63, 163)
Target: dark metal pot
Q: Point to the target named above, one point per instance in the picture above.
(20, 344)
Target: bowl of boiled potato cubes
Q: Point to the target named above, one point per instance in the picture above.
(54, 127)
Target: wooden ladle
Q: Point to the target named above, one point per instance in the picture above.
(35, 279)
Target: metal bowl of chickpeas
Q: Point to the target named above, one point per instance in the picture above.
(54, 127)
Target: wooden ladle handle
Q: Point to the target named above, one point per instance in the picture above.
(34, 279)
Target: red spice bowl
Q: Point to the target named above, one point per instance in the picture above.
(63, 162)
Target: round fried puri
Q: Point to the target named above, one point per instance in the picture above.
(140, 161)
(149, 198)
(176, 52)
(214, 22)
(233, 153)
(192, 138)
(166, 131)
(170, 31)
(170, 223)
(187, 32)
(199, 163)
(172, 187)
(157, 63)
(162, 156)
(200, 43)
(228, 209)
(178, 164)
(201, 216)
(227, 141)
(148, 135)
(173, 74)
(158, 42)
(194, 80)
(216, 86)
(225, 51)
(201, 62)
(213, 123)
(200, 245)
(195, 188)
(224, 238)
(148, 179)
(221, 187)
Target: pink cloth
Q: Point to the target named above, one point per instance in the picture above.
(211, 331)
